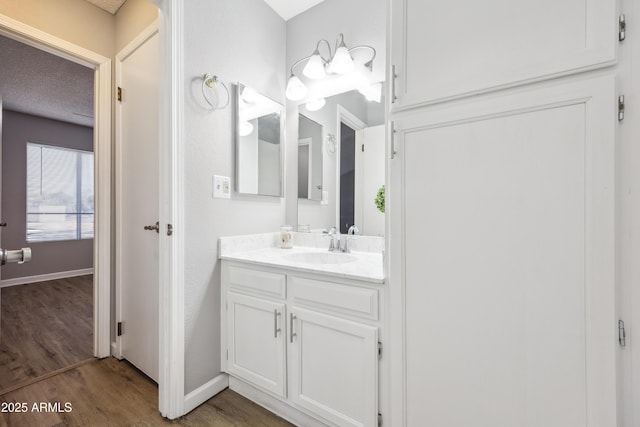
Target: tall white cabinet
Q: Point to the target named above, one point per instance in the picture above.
(501, 219)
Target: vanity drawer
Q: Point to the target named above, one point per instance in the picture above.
(258, 282)
(334, 297)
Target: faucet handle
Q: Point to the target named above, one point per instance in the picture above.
(353, 230)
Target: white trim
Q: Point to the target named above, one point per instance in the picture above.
(102, 148)
(172, 181)
(351, 120)
(205, 392)
(131, 47)
(44, 277)
(273, 404)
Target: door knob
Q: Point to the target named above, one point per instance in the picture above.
(153, 227)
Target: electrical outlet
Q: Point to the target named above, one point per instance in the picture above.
(221, 187)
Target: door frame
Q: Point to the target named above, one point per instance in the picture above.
(172, 211)
(121, 56)
(34, 37)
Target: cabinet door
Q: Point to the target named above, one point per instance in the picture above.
(447, 49)
(503, 304)
(333, 370)
(255, 341)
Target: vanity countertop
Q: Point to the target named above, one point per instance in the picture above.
(358, 265)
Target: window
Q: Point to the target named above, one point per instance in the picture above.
(59, 193)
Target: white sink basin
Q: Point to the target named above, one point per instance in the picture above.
(321, 257)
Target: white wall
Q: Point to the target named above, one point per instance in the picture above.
(363, 22)
(239, 40)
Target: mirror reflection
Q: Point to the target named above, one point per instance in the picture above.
(349, 164)
(258, 143)
(309, 159)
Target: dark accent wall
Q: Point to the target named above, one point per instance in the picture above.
(48, 257)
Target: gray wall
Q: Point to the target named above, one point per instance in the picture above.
(240, 41)
(48, 257)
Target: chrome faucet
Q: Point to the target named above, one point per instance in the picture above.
(344, 242)
(334, 244)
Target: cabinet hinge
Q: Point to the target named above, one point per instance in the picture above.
(392, 137)
(621, 108)
(622, 27)
(119, 328)
(379, 419)
(119, 93)
(379, 349)
(622, 334)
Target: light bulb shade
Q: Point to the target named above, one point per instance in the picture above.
(249, 95)
(245, 128)
(296, 90)
(315, 67)
(315, 104)
(342, 62)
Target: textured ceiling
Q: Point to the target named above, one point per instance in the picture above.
(290, 8)
(36, 82)
(110, 6)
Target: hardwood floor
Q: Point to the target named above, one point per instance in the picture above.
(46, 327)
(112, 393)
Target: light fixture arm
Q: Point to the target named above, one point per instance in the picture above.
(369, 63)
(306, 58)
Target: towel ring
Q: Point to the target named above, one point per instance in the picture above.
(209, 81)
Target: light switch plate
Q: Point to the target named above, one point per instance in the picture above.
(221, 187)
(325, 198)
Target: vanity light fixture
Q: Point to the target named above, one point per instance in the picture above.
(315, 104)
(318, 67)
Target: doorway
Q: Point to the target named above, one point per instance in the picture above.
(101, 69)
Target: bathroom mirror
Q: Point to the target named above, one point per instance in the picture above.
(309, 159)
(352, 164)
(259, 124)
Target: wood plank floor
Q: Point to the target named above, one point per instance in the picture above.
(46, 326)
(112, 393)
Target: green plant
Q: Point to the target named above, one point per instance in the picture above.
(379, 200)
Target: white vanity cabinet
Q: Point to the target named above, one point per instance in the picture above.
(310, 341)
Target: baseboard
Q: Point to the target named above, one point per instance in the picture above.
(273, 404)
(44, 277)
(205, 392)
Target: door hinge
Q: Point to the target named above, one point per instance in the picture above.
(622, 334)
(363, 148)
(119, 95)
(379, 419)
(169, 229)
(621, 108)
(622, 27)
(379, 350)
(119, 328)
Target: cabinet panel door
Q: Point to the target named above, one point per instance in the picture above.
(442, 50)
(503, 265)
(334, 368)
(255, 341)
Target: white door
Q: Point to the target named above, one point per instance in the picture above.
(503, 312)
(255, 341)
(137, 205)
(333, 370)
(491, 44)
(370, 166)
